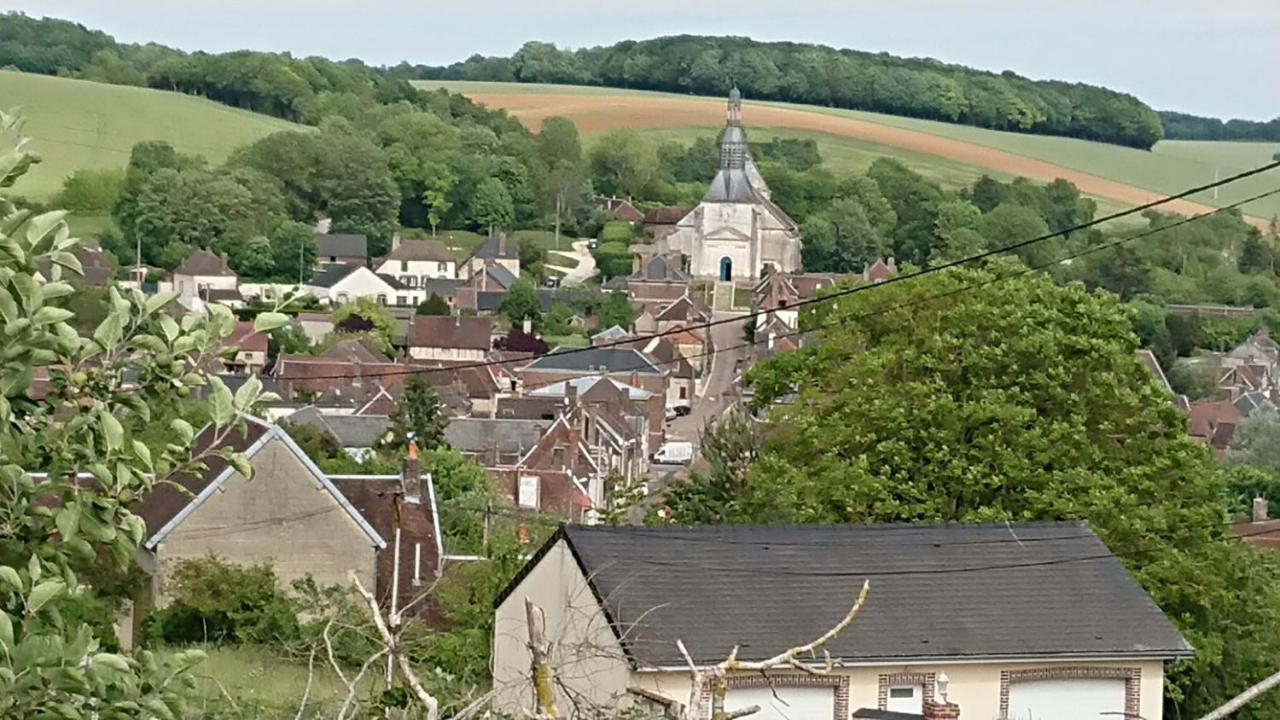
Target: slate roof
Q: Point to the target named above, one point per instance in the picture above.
(501, 275)
(940, 591)
(422, 251)
(443, 287)
(341, 245)
(204, 263)
(584, 385)
(600, 359)
(331, 275)
(483, 435)
(450, 331)
(351, 431)
(497, 246)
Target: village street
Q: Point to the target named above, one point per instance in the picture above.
(585, 270)
(720, 389)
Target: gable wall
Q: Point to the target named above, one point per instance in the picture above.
(586, 653)
(283, 516)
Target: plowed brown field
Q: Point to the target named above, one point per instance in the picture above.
(598, 113)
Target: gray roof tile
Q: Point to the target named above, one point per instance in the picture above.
(941, 591)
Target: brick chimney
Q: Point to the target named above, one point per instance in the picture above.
(411, 473)
(1259, 509)
(571, 393)
(395, 240)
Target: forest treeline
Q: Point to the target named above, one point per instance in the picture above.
(820, 75)
(1181, 126)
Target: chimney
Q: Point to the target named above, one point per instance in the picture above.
(771, 335)
(939, 707)
(410, 473)
(1259, 509)
(502, 243)
(571, 393)
(634, 380)
(395, 241)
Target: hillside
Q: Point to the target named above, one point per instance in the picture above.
(76, 123)
(952, 154)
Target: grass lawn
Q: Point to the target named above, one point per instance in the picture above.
(263, 684)
(562, 259)
(89, 226)
(77, 123)
(556, 341)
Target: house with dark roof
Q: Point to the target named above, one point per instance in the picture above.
(358, 434)
(620, 208)
(202, 272)
(495, 250)
(450, 338)
(250, 347)
(414, 262)
(627, 365)
(341, 249)
(1029, 620)
(339, 284)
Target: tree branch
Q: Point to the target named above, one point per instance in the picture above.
(1244, 698)
(406, 669)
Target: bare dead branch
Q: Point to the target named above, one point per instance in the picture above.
(1244, 698)
(306, 690)
(540, 661)
(428, 701)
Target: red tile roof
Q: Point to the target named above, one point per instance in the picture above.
(454, 331)
(245, 339)
(422, 251)
(205, 263)
(666, 215)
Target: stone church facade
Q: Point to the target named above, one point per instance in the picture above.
(736, 232)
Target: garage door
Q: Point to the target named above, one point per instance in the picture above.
(791, 703)
(1066, 700)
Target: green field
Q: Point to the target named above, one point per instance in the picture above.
(1171, 166)
(75, 124)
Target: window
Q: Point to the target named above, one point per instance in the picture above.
(442, 267)
(382, 299)
(333, 258)
(528, 492)
(404, 266)
(342, 297)
(401, 300)
(684, 393)
(906, 699)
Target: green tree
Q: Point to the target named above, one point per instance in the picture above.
(623, 164)
(364, 315)
(433, 305)
(1256, 442)
(617, 310)
(558, 142)
(57, 528)
(729, 446)
(419, 415)
(91, 191)
(1020, 402)
(1009, 224)
(293, 252)
(521, 303)
(558, 321)
(492, 209)
(438, 182)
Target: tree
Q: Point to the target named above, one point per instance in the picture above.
(438, 182)
(1256, 442)
(92, 191)
(558, 322)
(492, 208)
(1021, 401)
(623, 163)
(558, 142)
(1009, 224)
(730, 444)
(364, 315)
(617, 310)
(293, 252)
(58, 527)
(433, 305)
(521, 303)
(419, 415)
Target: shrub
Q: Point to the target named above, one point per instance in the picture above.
(91, 190)
(215, 601)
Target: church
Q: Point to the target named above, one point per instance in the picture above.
(736, 232)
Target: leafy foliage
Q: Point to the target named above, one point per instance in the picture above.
(214, 601)
(419, 415)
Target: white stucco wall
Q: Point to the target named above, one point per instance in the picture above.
(364, 283)
(438, 353)
(975, 687)
(189, 285)
(704, 236)
(586, 653)
(419, 269)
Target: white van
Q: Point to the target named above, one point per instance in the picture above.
(674, 453)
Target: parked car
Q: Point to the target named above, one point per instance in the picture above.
(682, 410)
(672, 414)
(592, 244)
(674, 453)
(552, 281)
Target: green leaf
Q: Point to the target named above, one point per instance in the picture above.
(183, 429)
(248, 393)
(268, 321)
(158, 708)
(49, 315)
(68, 261)
(11, 578)
(68, 522)
(159, 300)
(143, 452)
(224, 410)
(113, 431)
(110, 661)
(109, 331)
(56, 290)
(6, 631)
(34, 571)
(42, 593)
(241, 464)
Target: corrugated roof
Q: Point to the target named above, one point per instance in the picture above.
(941, 591)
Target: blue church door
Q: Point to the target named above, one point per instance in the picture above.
(726, 269)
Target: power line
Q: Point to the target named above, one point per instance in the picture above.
(631, 341)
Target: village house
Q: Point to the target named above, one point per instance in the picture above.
(633, 416)
(992, 621)
(250, 349)
(620, 208)
(341, 249)
(557, 476)
(495, 442)
(682, 373)
(95, 269)
(357, 433)
(340, 284)
(654, 278)
(204, 276)
(316, 326)
(450, 338)
(495, 250)
(683, 311)
(625, 365)
(415, 262)
(484, 289)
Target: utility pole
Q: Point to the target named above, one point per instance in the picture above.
(302, 249)
(559, 209)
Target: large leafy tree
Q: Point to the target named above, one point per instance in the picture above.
(1014, 400)
(84, 437)
(492, 208)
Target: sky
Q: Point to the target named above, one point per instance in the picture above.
(1208, 57)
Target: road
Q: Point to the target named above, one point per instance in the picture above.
(719, 390)
(586, 264)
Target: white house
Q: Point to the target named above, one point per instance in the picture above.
(450, 338)
(1033, 620)
(202, 272)
(415, 262)
(339, 284)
